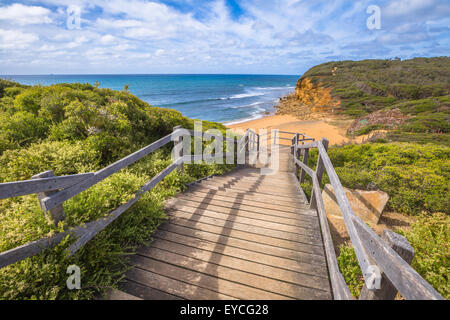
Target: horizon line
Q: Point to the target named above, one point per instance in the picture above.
(148, 74)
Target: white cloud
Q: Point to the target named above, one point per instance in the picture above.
(13, 39)
(24, 15)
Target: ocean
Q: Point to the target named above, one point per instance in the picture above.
(220, 98)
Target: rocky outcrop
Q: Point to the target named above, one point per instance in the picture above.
(382, 119)
(368, 205)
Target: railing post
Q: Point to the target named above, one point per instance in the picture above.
(57, 213)
(257, 144)
(387, 290)
(305, 161)
(319, 173)
(178, 148)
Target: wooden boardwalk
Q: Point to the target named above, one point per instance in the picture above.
(239, 236)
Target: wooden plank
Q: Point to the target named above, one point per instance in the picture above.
(300, 236)
(319, 171)
(234, 202)
(173, 286)
(347, 211)
(115, 294)
(240, 210)
(407, 281)
(304, 167)
(202, 280)
(29, 249)
(265, 193)
(146, 293)
(297, 251)
(308, 145)
(57, 213)
(21, 188)
(61, 196)
(245, 273)
(304, 161)
(338, 284)
(387, 290)
(239, 218)
(293, 205)
(252, 188)
(263, 182)
(310, 264)
(209, 232)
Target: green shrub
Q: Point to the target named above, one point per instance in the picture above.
(62, 157)
(430, 238)
(416, 177)
(349, 267)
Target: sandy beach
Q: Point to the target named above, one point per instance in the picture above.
(332, 128)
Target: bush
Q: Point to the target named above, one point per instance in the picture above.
(416, 177)
(76, 128)
(349, 267)
(430, 238)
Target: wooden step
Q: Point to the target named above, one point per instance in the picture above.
(299, 236)
(259, 183)
(248, 219)
(173, 286)
(237, 271)
(114, 294)
(171, 240)
(251, 241)
(297, 202)
(266, 192)
(240, 210)
(202, 280)
(234, 200)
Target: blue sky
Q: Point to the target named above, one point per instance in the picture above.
(216, 36)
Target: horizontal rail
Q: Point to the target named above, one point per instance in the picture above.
(347, 211)
(21, 188)
(406, 280)
(58, 198)
(308, 145)
(340, 288)
(85, 232)
(96, 226)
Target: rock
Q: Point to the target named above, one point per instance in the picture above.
(368, 205)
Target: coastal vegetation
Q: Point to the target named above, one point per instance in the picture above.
(407, 105)
(77, 128)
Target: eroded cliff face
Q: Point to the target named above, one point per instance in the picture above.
(309, 98)
(315, 96)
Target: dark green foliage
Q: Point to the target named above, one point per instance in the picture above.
(349, 267)
(76, 128)
(416, 177)
(430, 238)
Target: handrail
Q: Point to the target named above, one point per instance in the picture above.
(370, 249)
(66, 187)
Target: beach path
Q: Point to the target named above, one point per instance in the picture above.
(239, 236)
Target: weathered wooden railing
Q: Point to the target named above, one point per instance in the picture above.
(53, 191)
(387, 253)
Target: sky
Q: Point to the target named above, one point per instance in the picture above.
(215, 36)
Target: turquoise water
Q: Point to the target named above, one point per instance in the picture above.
(221, 98)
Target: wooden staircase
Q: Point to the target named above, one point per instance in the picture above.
(239, 236)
